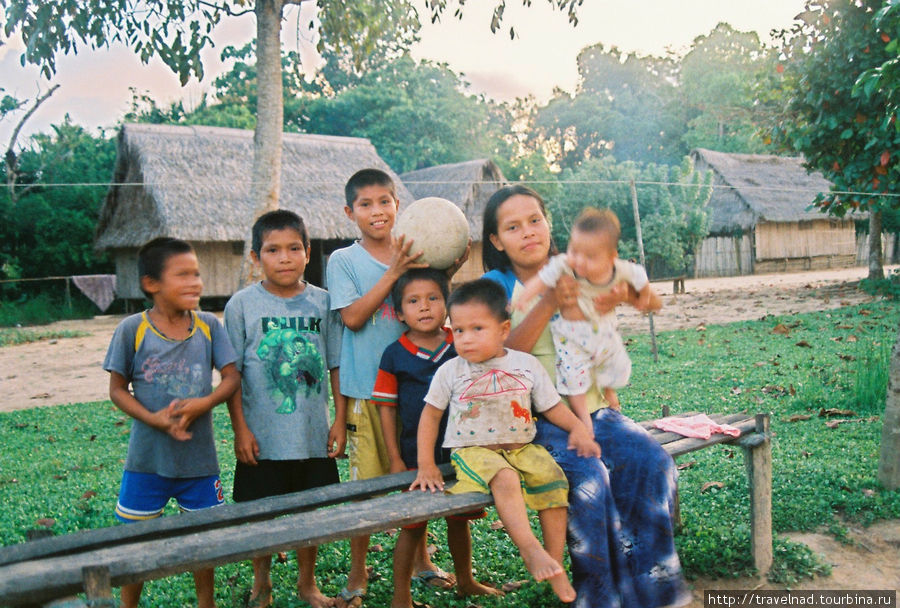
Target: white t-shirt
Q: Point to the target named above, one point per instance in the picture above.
(493, 401)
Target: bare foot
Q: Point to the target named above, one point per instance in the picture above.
(562, 588)
(544, 568)
(315, 598)
(475, 588)
(260, 598)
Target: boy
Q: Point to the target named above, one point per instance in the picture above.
(490, 391)
(167, 354)
(406, 369)
(285, 336)
(589, 349)
(359, 279)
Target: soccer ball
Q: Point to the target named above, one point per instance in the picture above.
(438, 228)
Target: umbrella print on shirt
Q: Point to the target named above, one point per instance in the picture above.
(493, 383)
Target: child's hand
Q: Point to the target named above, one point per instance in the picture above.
(607, 302)
(402, 259)
(246, 448)
(583, 443)
(188, 410)
(168, 422)
(397, 466)
(337, 439)
(458, 262)
(428, 478)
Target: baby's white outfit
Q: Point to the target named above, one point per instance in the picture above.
(590, 351)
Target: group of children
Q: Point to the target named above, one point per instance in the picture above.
(409, 393)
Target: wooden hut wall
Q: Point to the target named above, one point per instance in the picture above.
(220, 267)
(888, 248)
(804, 245)
(127, 284)
(472, 269)
(724, 256)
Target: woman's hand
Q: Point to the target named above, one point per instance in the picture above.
(607, 302)
(565, 293)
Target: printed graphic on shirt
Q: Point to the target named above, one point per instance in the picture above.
(495, 389)
(178, 378)
(292, 362)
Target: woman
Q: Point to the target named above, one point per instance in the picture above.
(620, 514)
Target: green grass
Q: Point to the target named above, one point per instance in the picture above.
(44, 308)
(64, 463)
(16, 335)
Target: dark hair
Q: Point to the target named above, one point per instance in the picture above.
(491, 257)
(439, 277)
(600, 221)
(152, 257)
(482, 291)
(367, 177)
(281, 219)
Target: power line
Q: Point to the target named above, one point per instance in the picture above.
(586, 182)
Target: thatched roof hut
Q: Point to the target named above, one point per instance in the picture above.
(469, 184)
(193, 183)
(760, 220)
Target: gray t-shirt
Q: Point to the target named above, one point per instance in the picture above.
(285, 347)
(161, 369)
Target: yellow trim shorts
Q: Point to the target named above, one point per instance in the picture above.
(544, 484)
(365, 441)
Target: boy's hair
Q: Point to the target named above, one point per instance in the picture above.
(153, 255)
(281, 219)
(439, 277)
(482, 291)
(367, 177)
(598, 221)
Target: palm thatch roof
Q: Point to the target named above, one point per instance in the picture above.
(753, 188)
(468, 184)
(193, 183)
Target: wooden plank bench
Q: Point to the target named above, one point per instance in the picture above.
(94, 561)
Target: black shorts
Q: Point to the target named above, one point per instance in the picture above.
(274, 477)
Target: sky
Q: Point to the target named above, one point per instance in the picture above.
(95, 84)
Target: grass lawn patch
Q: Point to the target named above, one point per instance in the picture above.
(817, 374)
(16, 335)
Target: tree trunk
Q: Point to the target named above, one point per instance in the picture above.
(267, 137)
(889, 461)
(876, 263)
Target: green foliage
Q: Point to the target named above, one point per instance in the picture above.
(888, 287)
(717, 78)
(871, 377)
(45, 307)
(672, 202)
(62, 180)
(14, 335)
(850, 137)
(422, 101)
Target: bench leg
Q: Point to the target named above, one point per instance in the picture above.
(759, 470)
(97, 587)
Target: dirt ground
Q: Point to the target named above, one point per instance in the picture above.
(69, 370)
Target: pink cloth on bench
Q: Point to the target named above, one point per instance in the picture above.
(700, 426)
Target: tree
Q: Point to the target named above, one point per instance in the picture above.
(415, 114)
(716, 85)
(884, 80)
(49, 230)
(625, 106)
(851, 138)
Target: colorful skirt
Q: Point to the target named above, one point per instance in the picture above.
(620, 516)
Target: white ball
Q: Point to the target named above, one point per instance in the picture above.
(438, 228)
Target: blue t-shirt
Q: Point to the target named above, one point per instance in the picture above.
(285, 347)
(352, 272)
(160, 370)
(403, 378)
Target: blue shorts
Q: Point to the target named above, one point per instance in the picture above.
(145, 495)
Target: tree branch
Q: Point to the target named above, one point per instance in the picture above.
(224, 8)
(10, 156)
